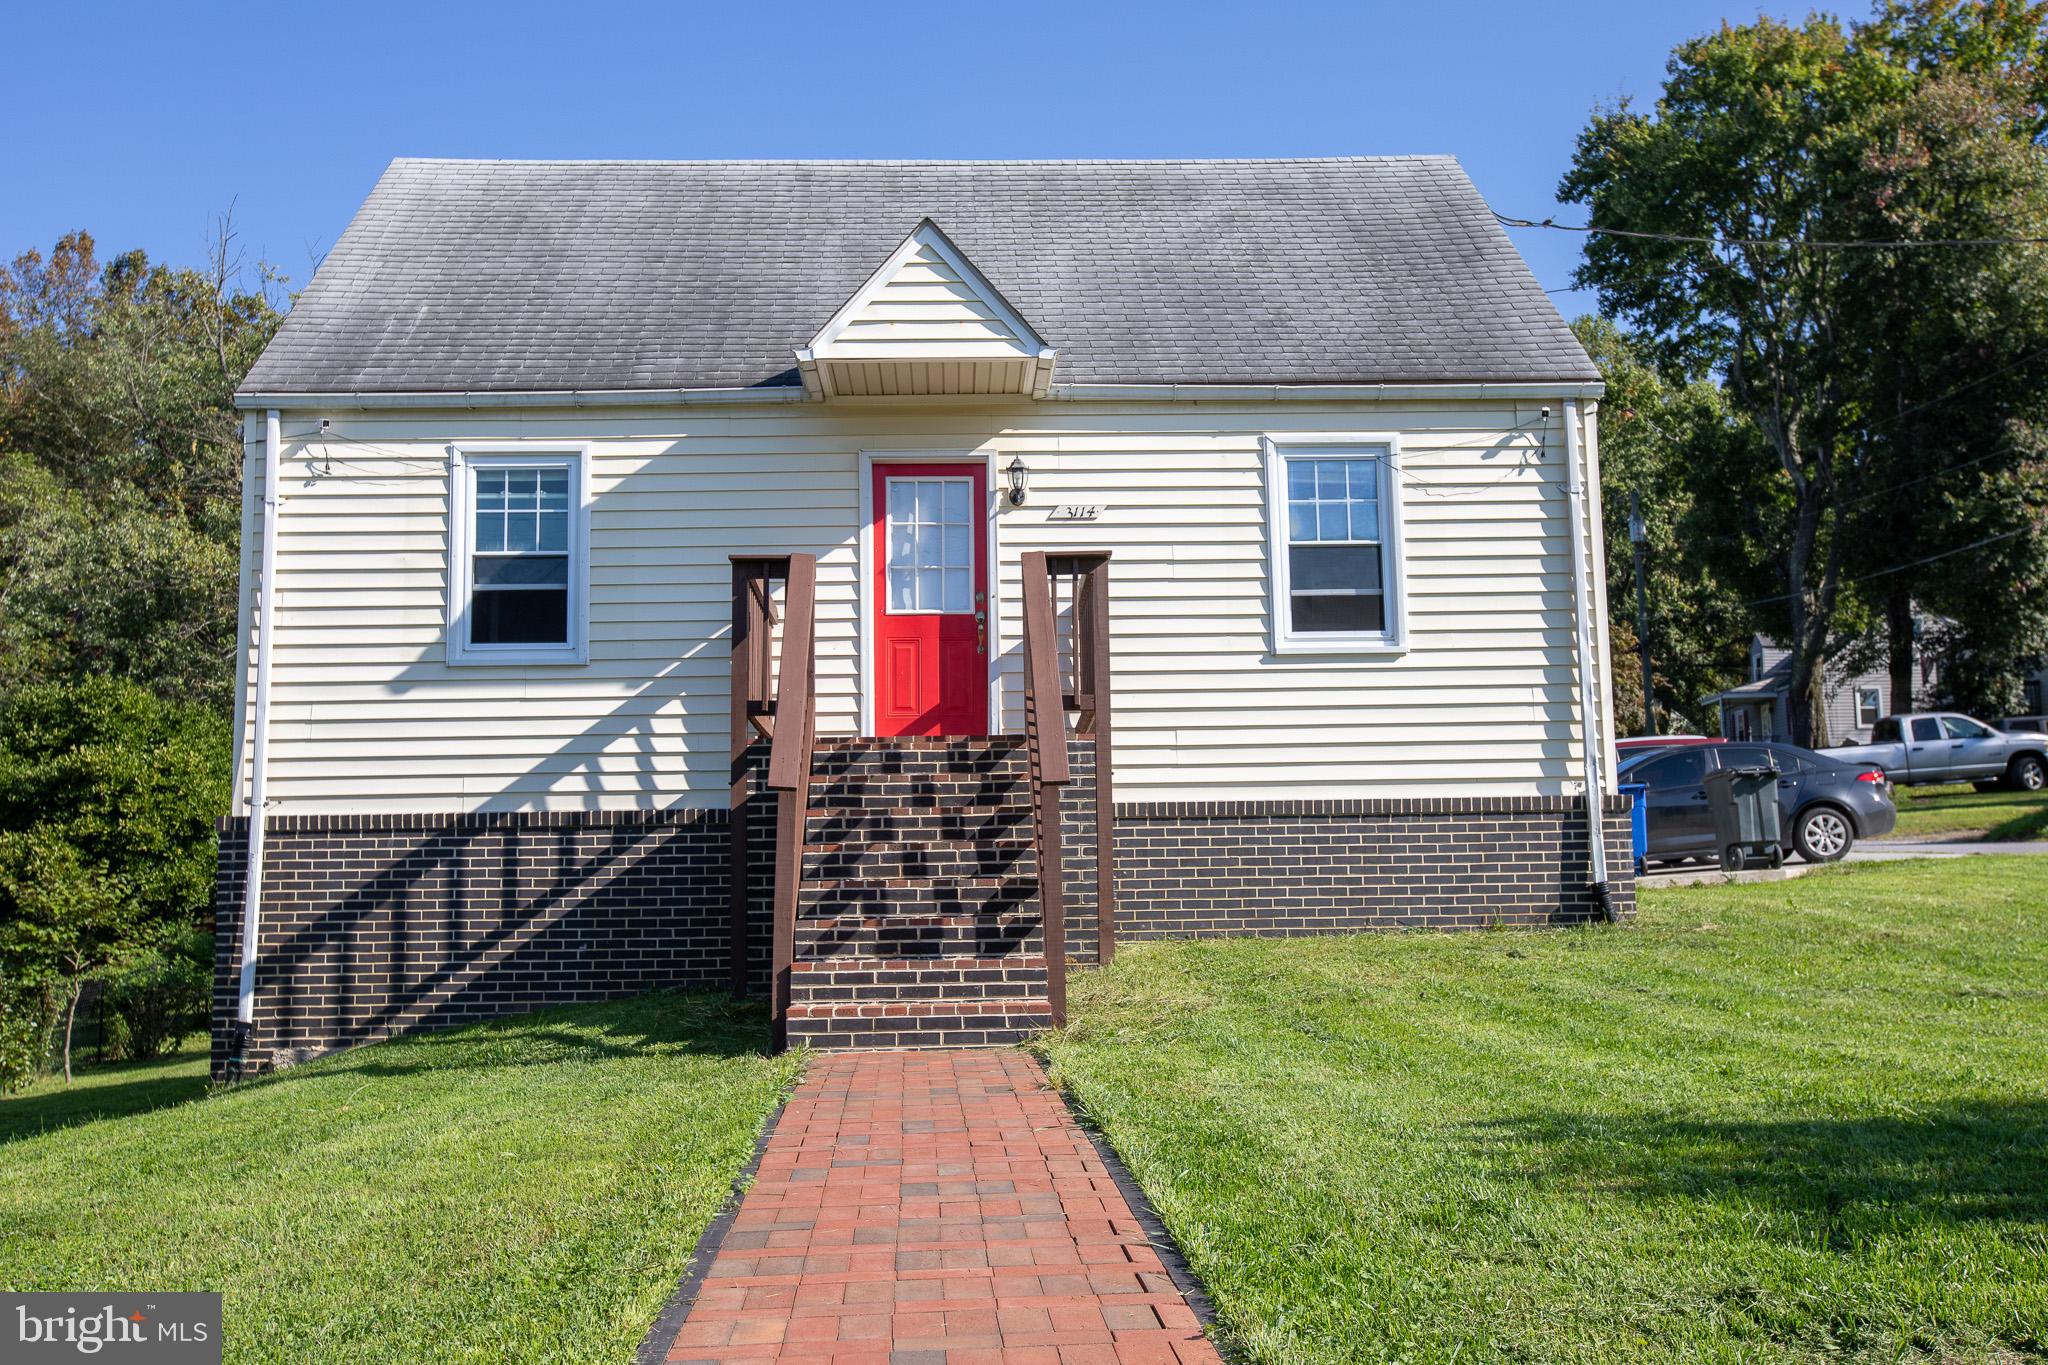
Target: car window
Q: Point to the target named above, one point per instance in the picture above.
(1746, 756)
(1960, 728)
(1886, 731)
(1685, 768)
(1791, 760)
(1926, 727)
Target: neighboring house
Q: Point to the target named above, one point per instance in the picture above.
(569, 484)
(1761, 707)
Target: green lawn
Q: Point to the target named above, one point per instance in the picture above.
(1796, 1121)
(528, 1190)
(1959, 808)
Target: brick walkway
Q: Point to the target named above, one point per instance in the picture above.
(936, 1208)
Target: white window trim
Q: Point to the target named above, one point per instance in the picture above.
(1876, 706)
(1384, 446)
(462, 458)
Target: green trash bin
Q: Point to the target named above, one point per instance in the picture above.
(1744, 803)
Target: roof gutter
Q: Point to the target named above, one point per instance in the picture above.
(259, 756)
(793, 393)
(1591, 741)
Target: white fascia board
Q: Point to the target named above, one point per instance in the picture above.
(1322, 393)
(525, 398)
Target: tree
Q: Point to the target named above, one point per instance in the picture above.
(119, 528)
(1950, 474)
(107, 801)
(1657, 439)
(1768, 140)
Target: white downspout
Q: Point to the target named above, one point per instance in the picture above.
(1590, 730)
(259, 744)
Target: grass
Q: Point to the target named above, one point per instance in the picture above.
(1958, 808)
(1795, 1121)
(527, 1190)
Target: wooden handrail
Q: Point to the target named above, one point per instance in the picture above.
(789, 772)
(784, 712)
(789, 753)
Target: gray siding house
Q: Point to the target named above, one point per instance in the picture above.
(1760, 707)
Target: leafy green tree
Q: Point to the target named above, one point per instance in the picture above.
(1769, 138)
(110, 585)
(120, 521)
(1663, 441)
(1950, 475)
(108, 797)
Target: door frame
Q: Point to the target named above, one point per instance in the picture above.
(865, 567)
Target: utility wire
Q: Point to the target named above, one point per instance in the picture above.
(1789, 243)
(1898, 568)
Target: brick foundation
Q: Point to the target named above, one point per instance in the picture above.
(920, 920)
(1277, 868)
(376, 925)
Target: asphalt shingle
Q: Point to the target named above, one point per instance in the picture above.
(551, 275)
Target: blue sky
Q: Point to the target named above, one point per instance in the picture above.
(140, 123)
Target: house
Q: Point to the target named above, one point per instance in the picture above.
(1760, 707)
(755, 575)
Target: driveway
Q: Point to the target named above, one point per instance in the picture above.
(1868, 851)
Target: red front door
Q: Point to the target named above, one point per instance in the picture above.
(931, 599)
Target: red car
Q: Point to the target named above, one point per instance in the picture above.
(1639, 743)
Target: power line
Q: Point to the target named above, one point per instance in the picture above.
(1788, 243)
(1898, 568)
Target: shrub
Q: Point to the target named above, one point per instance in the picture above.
(28, 1011)
(154, 999)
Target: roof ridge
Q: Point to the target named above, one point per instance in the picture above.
(925, 161)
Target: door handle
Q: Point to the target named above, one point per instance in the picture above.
(981, 631)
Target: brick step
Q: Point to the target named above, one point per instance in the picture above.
(918, 797)
(918, 1024)
(895, 937)
(860, 980)
(942, 860)
(824, 830)
(895, 898)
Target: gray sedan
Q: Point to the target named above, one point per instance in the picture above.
(1827, 805)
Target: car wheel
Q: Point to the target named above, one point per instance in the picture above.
(2027, 774)
(1823, 834)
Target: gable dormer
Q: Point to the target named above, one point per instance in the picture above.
(926, 322)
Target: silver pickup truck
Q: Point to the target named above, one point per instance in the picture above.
(1941, 746)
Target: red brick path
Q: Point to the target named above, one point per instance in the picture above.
(936, 1208)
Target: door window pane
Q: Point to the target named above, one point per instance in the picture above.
(930, 536)
(1926, 728)
(1958, 728)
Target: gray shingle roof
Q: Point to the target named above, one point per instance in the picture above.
(550, 275)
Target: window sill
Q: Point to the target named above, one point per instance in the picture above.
(1382, 645)
(523, 658)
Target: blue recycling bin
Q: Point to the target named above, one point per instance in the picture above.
(1638, 795)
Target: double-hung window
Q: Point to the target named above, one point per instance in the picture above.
(1869, 706)
(516, 584)
(1335, 544)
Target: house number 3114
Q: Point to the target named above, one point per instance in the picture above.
(1077, 512)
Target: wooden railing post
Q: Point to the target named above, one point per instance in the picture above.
(738, 892)
(751, 712)
(1045, 740)
(1096, 592)
(789, 772)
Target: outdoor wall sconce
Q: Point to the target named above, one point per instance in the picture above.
(1016, 471)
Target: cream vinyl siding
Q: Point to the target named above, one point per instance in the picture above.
(367, 717)
(926, 307)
